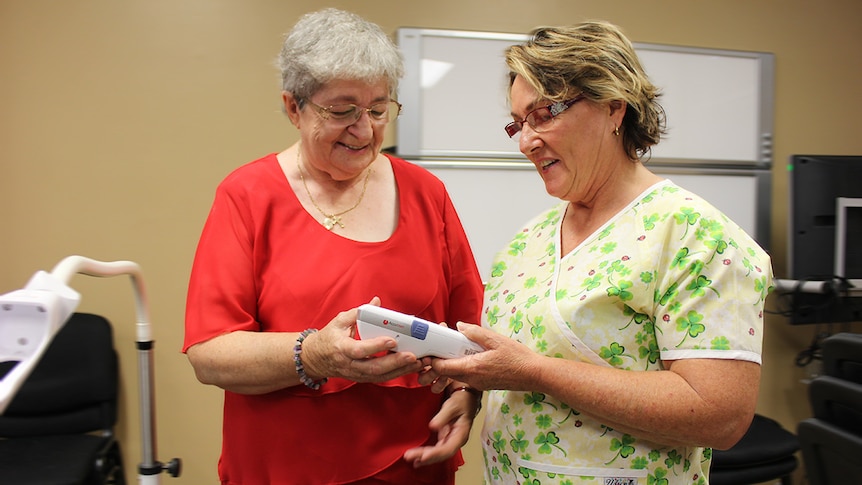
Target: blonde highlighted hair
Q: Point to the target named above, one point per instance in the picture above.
(595, 58)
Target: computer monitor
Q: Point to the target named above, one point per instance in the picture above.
(816, 183)
(848, 241)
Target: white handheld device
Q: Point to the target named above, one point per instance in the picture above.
(413, 334)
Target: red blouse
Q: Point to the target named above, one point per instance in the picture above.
(265, 264)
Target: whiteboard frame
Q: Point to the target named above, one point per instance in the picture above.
(459, 175)
(762, 232)
(410, 130)
(762, 177)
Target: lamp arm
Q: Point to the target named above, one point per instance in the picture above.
(71, 265)
(30, 317)
(149, 469)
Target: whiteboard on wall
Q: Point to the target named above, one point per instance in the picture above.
(719, 103)
(495, 200)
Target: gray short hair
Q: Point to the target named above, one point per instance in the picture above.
(334, 44)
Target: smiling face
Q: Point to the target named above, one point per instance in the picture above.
(343, 152)
(576, 153)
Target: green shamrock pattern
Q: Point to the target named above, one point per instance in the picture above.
(669, 277)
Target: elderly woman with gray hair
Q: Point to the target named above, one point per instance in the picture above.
(294, 242)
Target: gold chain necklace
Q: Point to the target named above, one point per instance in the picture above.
(330, 220)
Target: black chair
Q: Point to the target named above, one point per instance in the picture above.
(842, 356)
(831, 454)
(832, 439)
(837, 401)
(58, 429)
(766, 452)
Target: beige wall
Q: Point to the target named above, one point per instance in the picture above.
(120, 117)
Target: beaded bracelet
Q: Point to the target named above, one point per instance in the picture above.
(297, 359)
(472, 391)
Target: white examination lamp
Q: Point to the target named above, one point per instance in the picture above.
(31, 317)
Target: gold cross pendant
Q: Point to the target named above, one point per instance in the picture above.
(331, 221)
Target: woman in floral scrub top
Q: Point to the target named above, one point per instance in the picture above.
(624, 325)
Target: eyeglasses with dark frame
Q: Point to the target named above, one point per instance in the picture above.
(539, 117)
(347, 114)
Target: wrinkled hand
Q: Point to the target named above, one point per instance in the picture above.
(429, 376)
(333, 352)
(452, 426)
(505, 363)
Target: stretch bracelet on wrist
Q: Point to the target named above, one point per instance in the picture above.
(297, 359)
(472, 391)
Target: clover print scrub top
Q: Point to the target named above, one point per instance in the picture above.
(669, 277)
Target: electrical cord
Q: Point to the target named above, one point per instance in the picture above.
(792, 300)
(791, 303)
(813, 352)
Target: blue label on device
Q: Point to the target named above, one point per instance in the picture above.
(419, 330)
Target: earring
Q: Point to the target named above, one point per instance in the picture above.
(617, 131)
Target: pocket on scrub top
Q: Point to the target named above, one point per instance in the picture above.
(602, 475)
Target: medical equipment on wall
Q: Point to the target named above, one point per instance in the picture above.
(32, 316)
